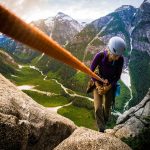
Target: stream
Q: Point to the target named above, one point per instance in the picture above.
(31, 87)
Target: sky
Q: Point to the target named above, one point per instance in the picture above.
(80, 10)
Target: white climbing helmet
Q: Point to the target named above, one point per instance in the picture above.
(117, 45)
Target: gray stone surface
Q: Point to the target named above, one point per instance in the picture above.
(86, 139)
(24, 124)
(130, 128)
(144, 104)
(131, 122)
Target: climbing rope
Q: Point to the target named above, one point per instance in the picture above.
(14, 27)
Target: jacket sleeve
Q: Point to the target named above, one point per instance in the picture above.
(94, 64)
(118, 74)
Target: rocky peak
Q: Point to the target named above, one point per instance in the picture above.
(61, 28)
(124, 7)
(146, 1)
(126, 13)
(63, 16)
(141, 25)
(143, 13)
(145, 6)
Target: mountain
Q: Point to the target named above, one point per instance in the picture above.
(140, 55)
(141, 28)
(61, 28)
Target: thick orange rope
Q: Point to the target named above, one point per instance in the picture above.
(14, 27)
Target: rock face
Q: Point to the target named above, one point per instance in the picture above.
(141, 28)
(24, 124)
(140, 44)
(134, 120)
(86, 139)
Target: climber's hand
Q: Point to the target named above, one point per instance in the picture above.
(106, 88)
(106, 82)
(100, 90)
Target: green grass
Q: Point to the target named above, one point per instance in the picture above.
(28, 76)
(52, 75)
(47, 101)
(80, 116)
(83, 103)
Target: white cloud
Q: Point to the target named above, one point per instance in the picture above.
(81, 10)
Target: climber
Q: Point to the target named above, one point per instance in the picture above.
(109, 64)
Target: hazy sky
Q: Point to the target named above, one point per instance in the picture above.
(81, 10)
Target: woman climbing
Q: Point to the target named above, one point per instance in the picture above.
(109, 64)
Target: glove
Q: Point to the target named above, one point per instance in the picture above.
(100, 90)
(106, 88)
(103, 89)
(106, 82)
